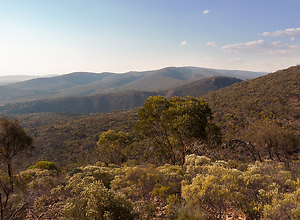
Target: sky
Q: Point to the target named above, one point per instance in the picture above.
(46, 37)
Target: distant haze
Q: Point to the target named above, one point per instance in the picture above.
(11, 79)
(87, 83)
(4, 80)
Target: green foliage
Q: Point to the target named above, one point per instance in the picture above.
(69, 140)
(169, 183)
(86, 196)
(13, 142)
(263, 190)
(143, 180)
(211, 191)
(263, 183)
(44, 165)
(145, 185)
(37, 181)
(283, 206)
(94, 201)
(113, 147)
(174, 126)
(194, 164)
(201, 189)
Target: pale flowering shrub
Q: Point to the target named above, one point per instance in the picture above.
(283, 206)
(210, 192)
(85, 196)
(193, 164)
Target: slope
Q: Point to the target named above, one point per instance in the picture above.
(113, 101)
(49, 87)
(169, 78)
(66, 138)
(82, 83)
(201, 87)
(244, 75)
(274, 96)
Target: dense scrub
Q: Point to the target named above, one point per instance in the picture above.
(201, 189)
(69, 139)
(274, 96)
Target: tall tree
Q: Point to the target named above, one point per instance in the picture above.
(176, 126)
(13, 141)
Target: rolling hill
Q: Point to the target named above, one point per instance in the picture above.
(113, 101)
(201, 87)
(69, 138)
(84, 83)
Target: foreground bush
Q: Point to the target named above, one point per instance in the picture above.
(263, 190)
(201, 189)
(85, 197)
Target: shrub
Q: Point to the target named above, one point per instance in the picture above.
(44, 165)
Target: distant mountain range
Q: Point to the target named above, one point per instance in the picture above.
(117, 100)
(64, 137)
(86, 83)
(235, 103)
(5, 80)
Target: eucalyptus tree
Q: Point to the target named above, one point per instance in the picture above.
(112, 146)
(176, 126)
(13, 141)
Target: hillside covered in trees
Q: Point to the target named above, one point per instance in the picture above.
(273, 96)
(234, 110)
(86, 83)
(117, 100)
(234, 153)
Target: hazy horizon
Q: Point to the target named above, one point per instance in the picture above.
(42, 38)
(60, 74)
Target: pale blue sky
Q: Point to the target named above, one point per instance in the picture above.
(43, 37)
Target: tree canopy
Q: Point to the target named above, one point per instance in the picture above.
(176, 126)
(13, 141)
(112, 146)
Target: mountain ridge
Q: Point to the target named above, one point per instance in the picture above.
(87, 83)
(114, 101)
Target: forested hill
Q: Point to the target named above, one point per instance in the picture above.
(114, 101)
(273, 96)
(201, 87)
(85, 83)
(99, 158)
(67, 138)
